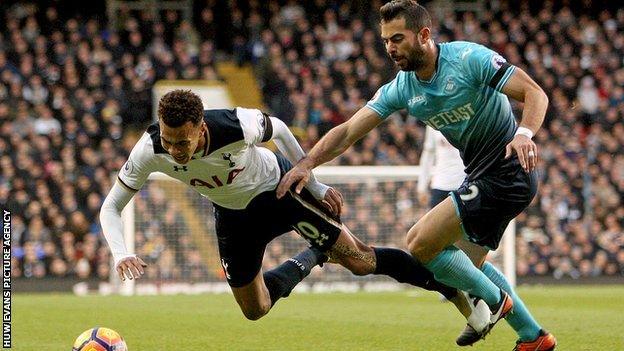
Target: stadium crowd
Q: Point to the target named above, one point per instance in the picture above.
(73, 90)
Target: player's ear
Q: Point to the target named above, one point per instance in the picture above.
(424, 35)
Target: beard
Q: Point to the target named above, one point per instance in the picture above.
(414, 60)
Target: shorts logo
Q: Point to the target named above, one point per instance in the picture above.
(225, 267)
(310, 233)
(473, 192)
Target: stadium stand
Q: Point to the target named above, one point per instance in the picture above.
(72, 91)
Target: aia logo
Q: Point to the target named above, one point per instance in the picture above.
(215, 182)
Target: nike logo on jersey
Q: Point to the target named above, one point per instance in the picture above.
(473, 192)
(465, 53)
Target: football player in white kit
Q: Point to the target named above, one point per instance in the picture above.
(216, 153)
(441, 169)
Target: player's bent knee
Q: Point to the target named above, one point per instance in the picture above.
(253, 308)
(422, 251)
(255, 312)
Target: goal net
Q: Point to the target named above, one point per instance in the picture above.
(171, 227)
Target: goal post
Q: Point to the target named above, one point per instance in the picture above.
(171, 227)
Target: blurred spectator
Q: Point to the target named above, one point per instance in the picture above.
(73, 94)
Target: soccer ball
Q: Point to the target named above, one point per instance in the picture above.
(99, 339)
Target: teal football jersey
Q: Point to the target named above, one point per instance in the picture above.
(462, 100)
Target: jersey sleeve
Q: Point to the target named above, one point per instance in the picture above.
(256, 125)
(138, 167)
(487, 67)
(387, 99)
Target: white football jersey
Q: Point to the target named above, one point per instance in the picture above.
(232, 169)
(448, 172)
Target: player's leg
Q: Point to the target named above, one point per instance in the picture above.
(324, 231)
(361, 259)
(257, 297)
(487, 206)
(520, 319)
(253, 298)
(242, 237)
(431, 241)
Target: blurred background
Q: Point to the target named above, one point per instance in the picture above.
(77, 90)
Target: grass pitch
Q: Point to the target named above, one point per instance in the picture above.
(582, 318)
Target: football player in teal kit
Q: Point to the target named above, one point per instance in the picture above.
(462, 90)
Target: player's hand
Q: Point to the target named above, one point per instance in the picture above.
(333, 201)
(130, 267)
(298, 174)
(526, 150)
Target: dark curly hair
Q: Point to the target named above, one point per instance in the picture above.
(416, 17)
(180, 106)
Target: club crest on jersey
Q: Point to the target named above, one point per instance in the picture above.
(228, 157)
(450, 86)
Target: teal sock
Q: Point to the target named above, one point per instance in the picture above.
(520, 319)
(453, 268)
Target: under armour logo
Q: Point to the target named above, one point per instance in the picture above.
(228, 157)
(177, 169)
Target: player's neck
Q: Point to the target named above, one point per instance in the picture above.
(426, 72)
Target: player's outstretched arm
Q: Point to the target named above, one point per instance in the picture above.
(334, 143)
(288, 145)
(522, 88)
(128, 265)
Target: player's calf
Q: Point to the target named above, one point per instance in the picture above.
(359, 261)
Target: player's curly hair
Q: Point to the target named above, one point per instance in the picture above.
(416, 16)
(180, 106)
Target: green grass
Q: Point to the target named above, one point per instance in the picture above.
(582, 318)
